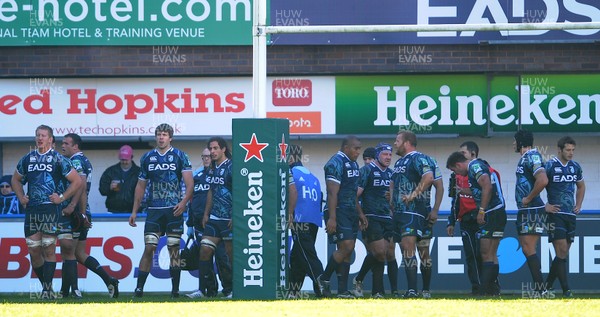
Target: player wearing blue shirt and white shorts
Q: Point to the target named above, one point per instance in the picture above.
(163, 168)
(566, 189)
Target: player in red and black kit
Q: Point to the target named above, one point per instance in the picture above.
(464, 211)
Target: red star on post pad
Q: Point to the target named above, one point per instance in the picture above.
(283, 148)
(254, 149)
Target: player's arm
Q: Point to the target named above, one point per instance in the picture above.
(207, 207)
(83, 197)
(292, 201)
(188, 180)
(140, 189)
(77, 199)
(425, 182)
(438, 184)
(391, 197)
(579, 196)
(485, 183)
(333, 188)
(17, 185)
(73, 188)
(541, 180)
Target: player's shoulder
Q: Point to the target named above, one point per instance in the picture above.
(146, 155)
(575, 164)
(336, 159)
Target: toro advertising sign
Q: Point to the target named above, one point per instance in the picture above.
(125, 22)
(467, 104)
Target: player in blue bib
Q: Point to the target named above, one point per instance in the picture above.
(305, 220)
(566, 190)
(44, 170)
(342, 216)
(531, 217)
(163, 169)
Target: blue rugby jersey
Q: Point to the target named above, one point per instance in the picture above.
(562, 180)
(407, 173)
(201, 187)
(83, 166)
(476, 169)
(530, 163)
(375, 182)
(164, 174)
(342, 170)
(437, 174)
(220, 181)
(43, 173)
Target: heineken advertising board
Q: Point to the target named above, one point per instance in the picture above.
(467, 104)
(125, 22)
(260, 187)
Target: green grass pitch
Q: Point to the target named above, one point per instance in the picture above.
(155, 304)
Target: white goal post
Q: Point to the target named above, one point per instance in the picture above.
(261, 30)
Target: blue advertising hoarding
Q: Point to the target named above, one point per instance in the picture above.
(429, 12)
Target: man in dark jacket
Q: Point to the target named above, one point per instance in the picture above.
(118, 182)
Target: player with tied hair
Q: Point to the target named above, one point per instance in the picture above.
(342, 215)
(566, 189)
(164, 168)
(412, 178)
(195, 227)
(531, 217)
(373, 190)
(491, 215)
(79, 210)
(43, 169)
(217, 216)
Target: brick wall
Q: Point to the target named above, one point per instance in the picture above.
(296, 60)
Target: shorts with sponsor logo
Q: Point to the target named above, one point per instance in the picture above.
(407, 224)
(531, 221)
(162, 220)
(493, 228)
(43, 218)
(561, 226)
(379, 228)
(347, 225)
(218, 229)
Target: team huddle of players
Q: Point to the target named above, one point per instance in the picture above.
(393, 205)
(389, 204)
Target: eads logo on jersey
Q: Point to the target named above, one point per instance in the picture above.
(292, 92)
